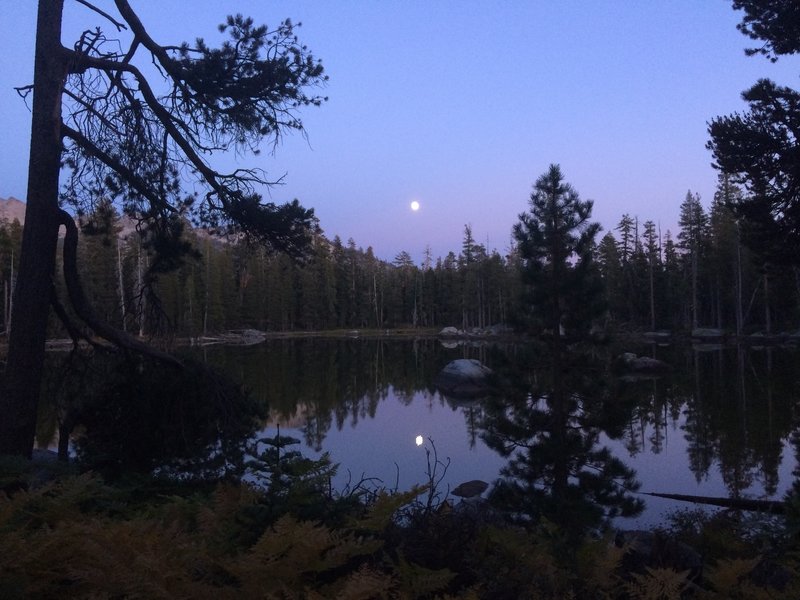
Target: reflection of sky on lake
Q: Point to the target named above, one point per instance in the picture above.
(372, 447)
(384, 447)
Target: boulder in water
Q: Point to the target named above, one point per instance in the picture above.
(628, 362)
(464, 377)
(470, 489)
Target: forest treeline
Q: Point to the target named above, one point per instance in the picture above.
(709, 274)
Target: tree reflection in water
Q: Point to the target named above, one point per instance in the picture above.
(719, 423)
(548, 424)
(739, 405)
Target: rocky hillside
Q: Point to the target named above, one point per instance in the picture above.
(11, 209)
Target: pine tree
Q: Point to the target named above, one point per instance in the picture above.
(627, 246)
(652, 252)
(468, 246)
(608, 260)
(406, 288)
(675, 283)
(726, 255)
(96, 116)
(758, 148)
(427, 290)
(693, 223)
(448, 297)
(627, 238)
(97, 249)
(556, 244)
(472, 284)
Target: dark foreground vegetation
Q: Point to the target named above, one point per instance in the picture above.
(287, 535)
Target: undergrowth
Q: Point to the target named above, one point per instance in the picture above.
(286, 534)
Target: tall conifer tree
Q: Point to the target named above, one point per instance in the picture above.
(556, 244)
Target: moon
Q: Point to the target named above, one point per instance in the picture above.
(419, 441)
(415, 206)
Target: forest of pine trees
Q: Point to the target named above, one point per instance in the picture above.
(702, 276)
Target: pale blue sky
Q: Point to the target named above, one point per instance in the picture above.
(462, 105)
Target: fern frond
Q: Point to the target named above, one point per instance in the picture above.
(598, 562)
(227, 502)
(52, 503)
(366, 584)
(730, 579)
(657, 584)
(103, 558)
(416, 581)
(383, 510)
(298, 554)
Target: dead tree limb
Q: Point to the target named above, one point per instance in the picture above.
(771, 506)
(84, 309)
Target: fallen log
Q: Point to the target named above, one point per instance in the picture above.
(775, 507)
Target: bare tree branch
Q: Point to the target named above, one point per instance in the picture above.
(141, 34)
(209, 175)
(92, 110)
(90, 6)
(130, 177)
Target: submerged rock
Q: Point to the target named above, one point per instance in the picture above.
(464, 377)
(628, 362)
(492, 331)
(243, 337)
(708, 333)
(657, 336)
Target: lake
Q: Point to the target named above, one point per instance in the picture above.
(720, 423)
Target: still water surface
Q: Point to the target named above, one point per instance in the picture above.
(721, 423)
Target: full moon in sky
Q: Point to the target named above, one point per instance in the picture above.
(419, 440)
(415, 205)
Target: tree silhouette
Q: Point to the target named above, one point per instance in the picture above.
(556, 243)
(123, 135)
(759, 149)
(548, 424)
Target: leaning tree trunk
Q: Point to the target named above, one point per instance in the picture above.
(24, 367)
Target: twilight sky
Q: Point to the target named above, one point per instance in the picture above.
(462, 105)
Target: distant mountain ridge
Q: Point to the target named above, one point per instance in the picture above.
(12, 208)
